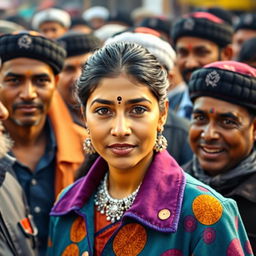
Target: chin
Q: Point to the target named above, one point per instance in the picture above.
(211, 169)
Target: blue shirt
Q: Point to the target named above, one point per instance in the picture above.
(39, 187)
(184, 104)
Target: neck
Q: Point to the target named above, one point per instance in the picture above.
(122, 183)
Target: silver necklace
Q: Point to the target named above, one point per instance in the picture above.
(111, 207)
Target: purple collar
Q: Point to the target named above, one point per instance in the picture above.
(158, 202)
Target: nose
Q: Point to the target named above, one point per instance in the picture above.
(28, 91)
(191, 62)
(3, 112)
(210, 132)
(121, 126)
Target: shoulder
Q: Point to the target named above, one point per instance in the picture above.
(207, 204)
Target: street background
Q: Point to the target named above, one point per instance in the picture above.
(170, 8)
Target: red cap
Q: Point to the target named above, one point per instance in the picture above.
(233, 66)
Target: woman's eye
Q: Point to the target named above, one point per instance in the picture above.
(102, 111)
(139, 110)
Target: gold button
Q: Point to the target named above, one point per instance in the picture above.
(85, 253)
(164, 214)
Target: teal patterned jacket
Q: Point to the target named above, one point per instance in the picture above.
(172, 215)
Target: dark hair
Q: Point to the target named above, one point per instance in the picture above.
(121, 57)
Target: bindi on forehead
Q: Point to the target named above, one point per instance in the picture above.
(28, 73)
(119, 99)
(189, 47)
(212, 111)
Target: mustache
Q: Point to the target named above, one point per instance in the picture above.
(31, 104)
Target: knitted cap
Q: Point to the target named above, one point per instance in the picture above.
(203, 25)
(51, 14)
(161, 49)
(246, 21)
(77, 43)
(230, 81)
(158, 23)
(30, 44)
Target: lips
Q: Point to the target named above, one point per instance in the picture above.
(121, 149)
(212, 150)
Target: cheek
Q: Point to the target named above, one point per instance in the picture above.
(194, 134)
(8, 96)
(46, 95)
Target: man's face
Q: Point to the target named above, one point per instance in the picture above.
(193, 53)
(70, 73)
(239, 37)
(221, 134)
(27, 89)
(52, 29)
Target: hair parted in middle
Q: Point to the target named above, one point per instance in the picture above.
(123, 58)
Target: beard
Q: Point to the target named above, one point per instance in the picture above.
(6, 144)
(187, 73)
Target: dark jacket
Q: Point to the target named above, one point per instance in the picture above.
(245, 196)
(16, 236)
(176, 133)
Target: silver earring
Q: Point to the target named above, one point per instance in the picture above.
(88, 147)
(161, 143)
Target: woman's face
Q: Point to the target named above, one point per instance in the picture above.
(123, 118)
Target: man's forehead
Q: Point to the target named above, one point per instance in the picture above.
(25, 65)
(194, 42)
(217, 106)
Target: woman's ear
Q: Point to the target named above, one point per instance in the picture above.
(163, 116)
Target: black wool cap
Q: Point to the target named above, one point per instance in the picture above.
(246, 21)
(203, 25)
(230, 81)
(77, 43)
(30, 44)
(158, 23)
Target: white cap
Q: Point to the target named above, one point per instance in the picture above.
(161, 49)
(9, 27)
(108, 30)
(51, 14)
(96, 12)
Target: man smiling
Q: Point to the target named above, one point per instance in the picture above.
(223, 133)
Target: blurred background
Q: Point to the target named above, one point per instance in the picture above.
(170, 8)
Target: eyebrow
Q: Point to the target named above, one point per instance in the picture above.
(223, 115)
(110, 102)
(20, 75)
(229, 115)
